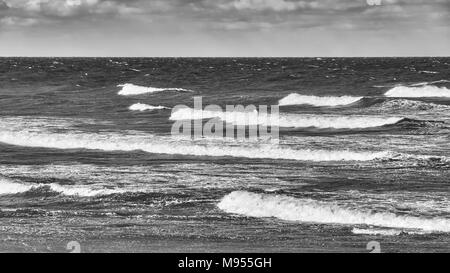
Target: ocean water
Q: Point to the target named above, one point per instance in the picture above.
(87, 155)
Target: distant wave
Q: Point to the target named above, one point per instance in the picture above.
(429, 83)
(307, 210)
(297, 99)
(428, 72)
(418, 92)
(10, 187)
(286, 120)
(144, 107)
(129, 89)
(412, 84)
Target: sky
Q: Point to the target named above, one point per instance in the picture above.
(225, 28)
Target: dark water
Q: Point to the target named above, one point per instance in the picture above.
(76, 164)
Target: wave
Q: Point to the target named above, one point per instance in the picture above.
(386, 232)
(144, 107)
(401, 104)
(129, 89)
(297, 99)
(307, 210)
(9, 187)
(166, 145)
(428, 72)
(286, 120)
(429, 83)
(336, 122)
(235, 117)
(413, 84)
(418, 92)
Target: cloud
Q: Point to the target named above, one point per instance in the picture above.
(275, 5)
(17, 22)
(67, 8)
(235, 15)
(3, 5)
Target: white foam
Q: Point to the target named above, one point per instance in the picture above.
(166, 145)
(145, 107)
(9, 187)
(307, 210)
(84, 190)
(404, 104)
(297, 99)
(129, 89)
(235, 117)
(337, 122)
(418, 92)
(286, 120)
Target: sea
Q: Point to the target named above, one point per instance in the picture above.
(89, 163)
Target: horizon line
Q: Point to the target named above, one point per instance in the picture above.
(186, 57)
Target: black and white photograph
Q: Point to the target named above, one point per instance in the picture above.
(224, 126)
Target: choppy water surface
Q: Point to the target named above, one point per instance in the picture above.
(87, 155)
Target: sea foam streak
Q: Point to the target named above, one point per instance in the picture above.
(307, 210)
(297, 99)
(166, 145)
(129, 89)
(418, 91)
(145, 107)
(286, 120)
(386, 232)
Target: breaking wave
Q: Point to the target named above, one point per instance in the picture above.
(145, 107)
(297, 99)
(129, 89)
(336, 122)
(418, 91)
(9, 187)
(286, 120)
(165, 145)
(308, 210)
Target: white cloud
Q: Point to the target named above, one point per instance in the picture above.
(276, 5)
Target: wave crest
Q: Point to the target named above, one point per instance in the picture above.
(287, 120)
(166, 145)
(129, 89)
(297, 99)
(145, 107)
(307, 210)
(9, 187)
(418, 91)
